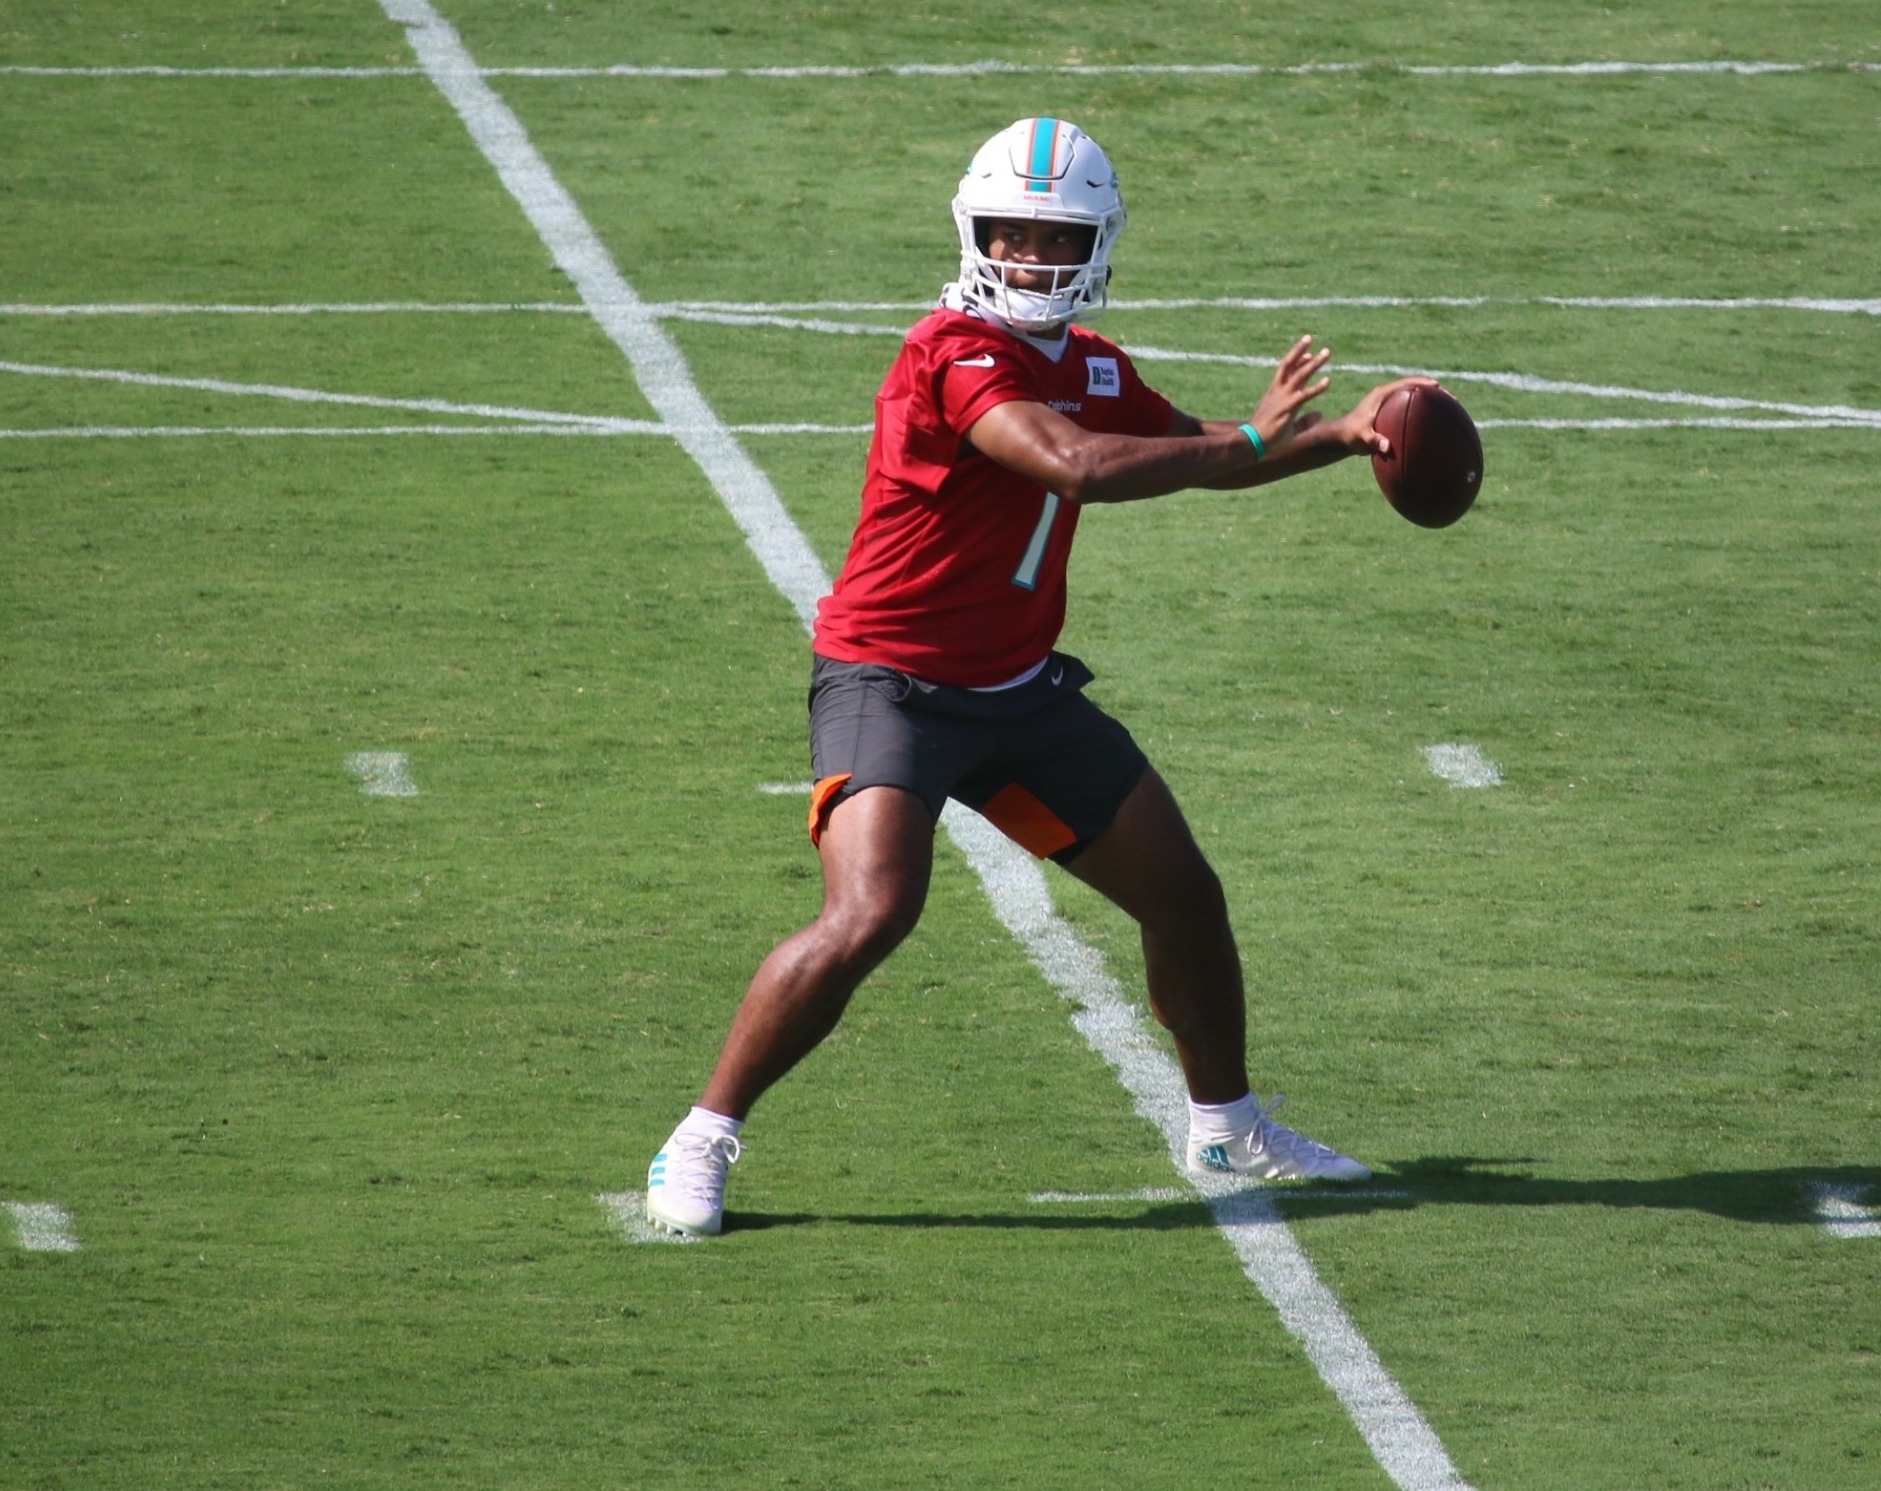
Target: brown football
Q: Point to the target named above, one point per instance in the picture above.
(1436, 463)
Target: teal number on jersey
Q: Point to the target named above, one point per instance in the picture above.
(1026, 576)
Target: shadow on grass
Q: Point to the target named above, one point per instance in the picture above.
(1784, 1197)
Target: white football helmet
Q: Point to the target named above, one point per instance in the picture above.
(1050, 170)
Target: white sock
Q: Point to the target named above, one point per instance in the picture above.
(1213, 1123)
(710, 1125)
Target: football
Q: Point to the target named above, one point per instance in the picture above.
(1435, 466)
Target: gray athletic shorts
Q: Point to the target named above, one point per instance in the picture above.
(1043, 763)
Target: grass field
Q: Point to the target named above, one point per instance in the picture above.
(309, 449)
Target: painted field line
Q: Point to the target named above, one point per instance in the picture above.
(787, 789)
(322, 396)
(1697, 422)
(336, 308)
(1398, 1435)
(1845, 1210)
(382, 773)
(1823, 304)
(1462, 765)
(780, 548)
(42, 1227)
(1530, 383)
(584, 430)
(1599, 69)
(629, 1211)
(1395, 1431)
(153, 70)
(618, 428)
(1804, 416)
(1183, 70)
(185, 432)
(1171, 1193)
(682, 309)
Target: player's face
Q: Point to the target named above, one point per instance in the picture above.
(1025, 242)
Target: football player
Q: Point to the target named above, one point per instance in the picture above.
(935, 670)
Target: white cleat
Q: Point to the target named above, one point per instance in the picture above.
(686, 1184)
(1271, 1151)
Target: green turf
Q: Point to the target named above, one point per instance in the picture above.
(330, 1083)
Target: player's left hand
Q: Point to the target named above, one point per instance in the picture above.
(1277, 416)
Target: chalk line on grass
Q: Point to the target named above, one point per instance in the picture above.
(584, 430)
(1844, 1210)
(685, 309)
(772, 537)
(382, 773)
(1171, 1193)
(42, 1227)
(1530, 383)
(327, 308)
(323, 396)
(1767, 414)
(1462, 765)
(993, 67)
(1397, 1434)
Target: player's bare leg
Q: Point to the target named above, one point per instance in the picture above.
(878, 853)
(1148, 862)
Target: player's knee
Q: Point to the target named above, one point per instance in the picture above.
(1193, 903)
(865, 931)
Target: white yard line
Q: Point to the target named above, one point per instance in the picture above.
(331, 308)
(1602, 69)
(1397, 1434)
(683, 309)
(1462, 765)
(42, 1227)
(324, 396)
(1530, 383)
(1846, 1211)
(382, 773)
(784, 552)
(1403, 1442)
(1172, 1193)
(584, 428)
(753, 512)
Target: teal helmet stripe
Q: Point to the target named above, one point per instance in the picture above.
(1044, 152)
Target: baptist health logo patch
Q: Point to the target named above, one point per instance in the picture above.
(1105, 379)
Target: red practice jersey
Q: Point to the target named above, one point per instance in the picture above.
(956, 573)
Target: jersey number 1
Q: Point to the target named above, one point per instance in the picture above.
(1026, 576)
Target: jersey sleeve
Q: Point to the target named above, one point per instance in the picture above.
(971, 383)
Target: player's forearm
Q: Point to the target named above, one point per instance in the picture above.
(1320, 444)
(1125, 468)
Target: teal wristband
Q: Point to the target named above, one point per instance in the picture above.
(1260, 445)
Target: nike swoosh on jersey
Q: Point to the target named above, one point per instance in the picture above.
(984, 360)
